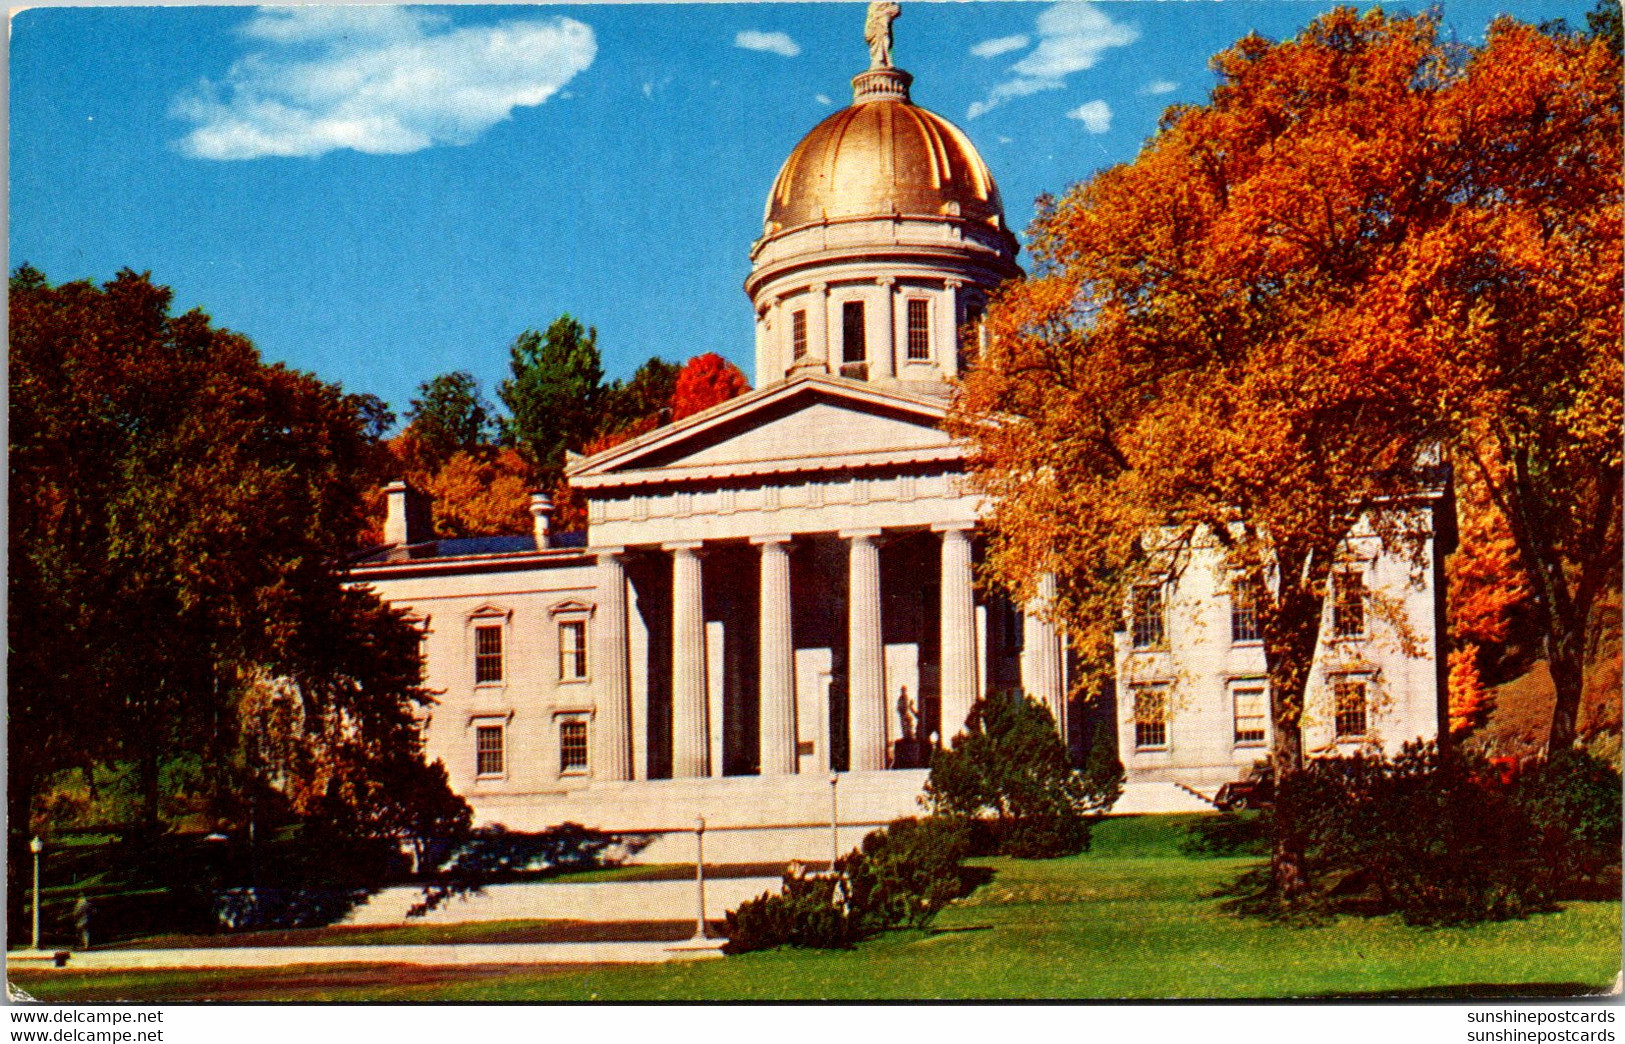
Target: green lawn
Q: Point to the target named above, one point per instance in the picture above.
(1133, 918)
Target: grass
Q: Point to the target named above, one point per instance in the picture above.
(1133, 918)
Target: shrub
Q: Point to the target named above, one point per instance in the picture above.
(1572, 803)
(901, 876)
(807, 912)
(1431, 835)
(1011, 766)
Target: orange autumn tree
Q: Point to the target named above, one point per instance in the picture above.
(1516, 299)
(1219, 343)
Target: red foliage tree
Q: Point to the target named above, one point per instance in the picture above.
(706, 380)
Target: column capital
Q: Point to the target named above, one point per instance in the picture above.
(602, 553)
(886, 281)
(952, 527)
(859, 534)
(819, 287)
(772, 538)
(953, 284)
(682, 545)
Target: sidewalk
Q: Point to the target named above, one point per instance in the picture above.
(445, 956)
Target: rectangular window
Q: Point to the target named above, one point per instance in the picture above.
(572, 650)
(1150, 716)
(487, 654)
(572, 745)
(488, 750)
(1252, 710)
(1348, 605)
(1244, 599)
(1146, 617)
(919, 329)
(970, 335)
(854, 334)
(1349, 713)
(798, 333)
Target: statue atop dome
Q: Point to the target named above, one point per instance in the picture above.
(877, 32)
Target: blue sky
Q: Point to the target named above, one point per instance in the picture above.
(381, 195)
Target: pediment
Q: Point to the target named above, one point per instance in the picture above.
(809, 424)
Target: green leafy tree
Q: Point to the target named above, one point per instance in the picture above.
(646, 396)
(555, 395)
(450, 416)
(176, 508)
(1011, 766)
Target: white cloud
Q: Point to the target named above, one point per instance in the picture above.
(773, 43)
(1071, 38)
(1160, 87)
(823, 99)
(1096, 116)
(376, 80)
(1001, 45)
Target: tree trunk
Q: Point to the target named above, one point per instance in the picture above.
(1291, 632)
(1565, 658)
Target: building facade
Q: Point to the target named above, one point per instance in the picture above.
(781, 587)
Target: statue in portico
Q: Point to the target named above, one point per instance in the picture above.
(877, 31)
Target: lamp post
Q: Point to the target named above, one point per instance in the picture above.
(834, 821)
(699, 878)
(36, 846)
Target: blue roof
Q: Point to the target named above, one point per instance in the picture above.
(466, 547)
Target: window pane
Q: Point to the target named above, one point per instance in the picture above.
(573, 650)
(854, 338)
(1150, 716)
(1244, 611)
(487, 654)
(919, 329)
(1349, 717)
(1348, 605)
(1251, 715)
(572, 745)
(798, 333)
(1147, 617)
(488, 750)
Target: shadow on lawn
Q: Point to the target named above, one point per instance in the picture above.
(494, 855)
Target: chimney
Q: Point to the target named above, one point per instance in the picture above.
(541, 512)
(409, 519)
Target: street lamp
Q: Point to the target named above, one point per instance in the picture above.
(699, 878)
(36, 846)
(834, 820)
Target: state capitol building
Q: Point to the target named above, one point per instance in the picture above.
(782, 587)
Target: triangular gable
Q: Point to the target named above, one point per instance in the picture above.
(805, 423)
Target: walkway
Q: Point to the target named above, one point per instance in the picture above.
(443, 956)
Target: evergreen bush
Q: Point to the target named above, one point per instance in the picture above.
(1009, 770)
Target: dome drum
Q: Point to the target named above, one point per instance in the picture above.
(883, 235)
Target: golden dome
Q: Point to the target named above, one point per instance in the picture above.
(883, 155)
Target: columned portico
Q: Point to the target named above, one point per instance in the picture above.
(777, 687)
(959, 661)
(614, 710)
(1041, 653)
(866, 676)
(690, 732)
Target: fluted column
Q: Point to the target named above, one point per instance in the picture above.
(883, 360)
(778, 676)
(865, 655)
(613, 759)
(958, 630)
(1041, 662)
(690, 736)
